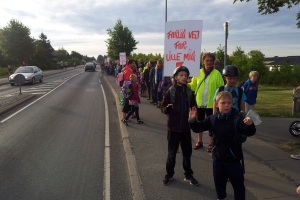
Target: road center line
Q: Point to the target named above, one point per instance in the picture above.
(106, 180)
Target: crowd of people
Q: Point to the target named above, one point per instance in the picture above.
(190, 103)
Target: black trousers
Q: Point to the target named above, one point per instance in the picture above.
(133, 109)
(149, 87)
(185, 141)
(232, 171)
(154, 93)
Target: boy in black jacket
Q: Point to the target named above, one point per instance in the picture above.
(226, 126)
(176, 104)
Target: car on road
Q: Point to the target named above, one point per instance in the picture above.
(31, 74)
(89, 66)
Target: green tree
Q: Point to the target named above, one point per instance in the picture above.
(240, 60)
(76, 55)
(100, 59)
(43, 57)
(16, 43)
(256, 63)
(273, 6)
(220, 55)
(61, 55)
(146, 57)
(121, 40)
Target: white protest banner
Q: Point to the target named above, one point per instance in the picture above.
(122, 56)
(182, 46)
(107, 60)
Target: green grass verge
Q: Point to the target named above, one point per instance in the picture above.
(275, 102)
(290, 147)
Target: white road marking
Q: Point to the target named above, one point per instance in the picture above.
(4, 120)
(106, 180)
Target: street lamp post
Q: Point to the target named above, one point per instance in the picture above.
(166, 10)
(226, 25)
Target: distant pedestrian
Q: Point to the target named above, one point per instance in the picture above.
(157, 79)
(127, 71)
(217, 65)
(151, 80)
(134, 101)
(226, 125)
(142, 83)
(165, 84)
(176, 103)
(10, 70)
(23, 64)
(250, 88)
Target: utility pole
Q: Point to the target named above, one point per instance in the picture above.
(166, 11)
(226, 24)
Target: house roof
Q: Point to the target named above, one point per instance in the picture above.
(293, 60)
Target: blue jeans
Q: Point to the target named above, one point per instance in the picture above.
(232, 171)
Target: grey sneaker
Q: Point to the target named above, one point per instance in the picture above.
(167, 179)
(191, 180)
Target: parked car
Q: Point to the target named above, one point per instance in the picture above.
(31, 74)
(89, 66)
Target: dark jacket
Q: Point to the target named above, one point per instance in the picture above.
(152, 74)
(146, 75)
(226, 147)
(177, 120)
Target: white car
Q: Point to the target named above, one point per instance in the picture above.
(31, 74)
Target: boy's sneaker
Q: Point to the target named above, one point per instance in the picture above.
(191, 180)
(296, 156)
(167, 179)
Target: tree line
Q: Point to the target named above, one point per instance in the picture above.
(16, 46)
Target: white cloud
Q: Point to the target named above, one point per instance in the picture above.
(81, 25)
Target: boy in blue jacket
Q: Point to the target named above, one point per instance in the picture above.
(226, 125)
(250, 89)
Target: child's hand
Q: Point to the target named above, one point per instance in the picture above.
(248, 121)
(193, 113)
(170, 105)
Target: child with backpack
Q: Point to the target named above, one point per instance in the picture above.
(176, 103)
(250, 89)
(132, 92)
(228, 126)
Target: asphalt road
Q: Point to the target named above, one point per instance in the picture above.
(54, 149)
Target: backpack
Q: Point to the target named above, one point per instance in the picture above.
(120, 79)
(240, 94)
(241, 85)
(127, 90)
(172, 94)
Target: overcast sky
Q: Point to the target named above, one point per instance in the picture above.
(81, 26)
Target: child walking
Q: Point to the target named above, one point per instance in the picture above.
(176, 103)
(250, 90)
(134, 101)
(142, 82)
(226, 125)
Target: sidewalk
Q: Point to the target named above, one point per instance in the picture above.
(270, 173)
